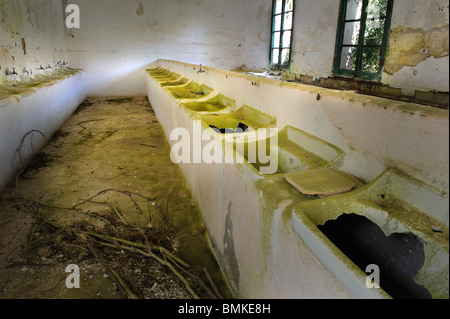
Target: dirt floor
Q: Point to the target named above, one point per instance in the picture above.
(103, 195)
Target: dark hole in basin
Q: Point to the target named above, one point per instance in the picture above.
(242, 128)
(399, 256)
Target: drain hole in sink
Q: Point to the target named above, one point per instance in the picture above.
(399, 256)
(242, 128)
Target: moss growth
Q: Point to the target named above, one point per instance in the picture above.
(275, 194)
(379, 201)
(183, 81)
(247, 115)
(190, 91)
(216, 104)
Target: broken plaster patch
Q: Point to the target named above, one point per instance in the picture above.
(431, 73)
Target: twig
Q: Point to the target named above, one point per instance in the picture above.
(161, 261)
(201, 283)
(36, 216)
(116, 210)
(147, 249)
(107, 135)
(85, 122)
(151, 146)
(51, 289)
(211, 281)
(113, 274)
(136, 247)
(23, 141)
(167, 253)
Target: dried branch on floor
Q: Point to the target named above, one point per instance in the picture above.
(151, 146)
(117, 224)
(212, 283)
(123, 287)
(116, 233)
(19, 148)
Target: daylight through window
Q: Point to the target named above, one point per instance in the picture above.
(282, 25)
(362, 38)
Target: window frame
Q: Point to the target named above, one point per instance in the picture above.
(358, 72)
(283, 13)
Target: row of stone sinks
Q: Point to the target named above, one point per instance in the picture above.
(395, 219)
(296, 150)
(29, 84)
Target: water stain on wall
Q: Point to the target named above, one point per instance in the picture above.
(140, 10)
(24, 46)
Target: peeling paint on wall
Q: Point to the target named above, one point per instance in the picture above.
(418, 48)
(229, 254)
(409, 47)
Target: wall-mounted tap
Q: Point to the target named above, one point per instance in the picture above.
(41, 68)
(11, 73)
(49, 67)
(24, 70)
(201, 70)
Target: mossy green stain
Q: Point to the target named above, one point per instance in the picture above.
(190, 91)
(216, 104)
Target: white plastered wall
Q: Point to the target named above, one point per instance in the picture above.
(32, 33)
(118, 39)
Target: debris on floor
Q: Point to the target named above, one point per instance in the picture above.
(103, 197)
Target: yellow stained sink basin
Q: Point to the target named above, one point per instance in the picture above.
(290, 150)
(216, 104)
(157, 70)
(395, 228)
(190, 91)
(66, 71)
(3, 95)
(46, 77)
(179, 82)
(163, 75)
(21, 84)
(9, 90)
(243, 120)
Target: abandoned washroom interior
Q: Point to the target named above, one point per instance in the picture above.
(312, 136)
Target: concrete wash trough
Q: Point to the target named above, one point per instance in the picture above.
(274, 241)
(31, 107)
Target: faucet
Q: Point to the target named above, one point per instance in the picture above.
(24, 70)
(49, 67)
(8, 72)
(201, 70)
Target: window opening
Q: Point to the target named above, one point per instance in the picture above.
(282, 29)
(362, 38)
